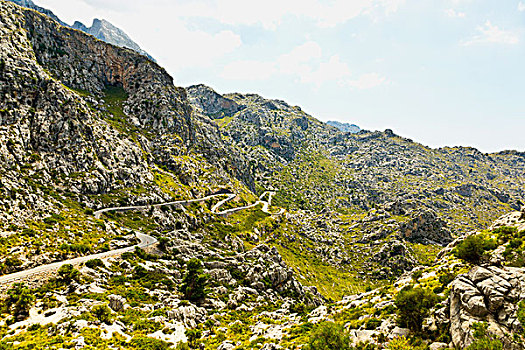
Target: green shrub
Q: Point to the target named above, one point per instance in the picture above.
(19, 301)
(473, 248)
(193, 336)
(300, 308)
(417, 275)
(521, 313)
(67, 274)
(163, 243)
(399, 343)
(33, 327)
(372, 323)
(483, 340)
(94, 263)
(194, 282)
(446, 278)
(182, 346)
(505, 233)
(145, 343)
(485, 344)
(329, 336)
(102, 313)
(413, 305)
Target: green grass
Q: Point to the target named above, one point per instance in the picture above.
(114, 97)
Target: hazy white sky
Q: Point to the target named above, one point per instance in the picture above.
(442, 72)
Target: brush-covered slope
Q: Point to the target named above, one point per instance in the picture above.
(371, 204)
(83, 125)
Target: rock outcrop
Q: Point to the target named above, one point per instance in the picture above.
(425, 227)
(489, 295)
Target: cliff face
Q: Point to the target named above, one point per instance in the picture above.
(105, 31)
(82, 62)
(100, 29)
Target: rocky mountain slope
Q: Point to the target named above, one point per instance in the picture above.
(105, 31)
(344, 127)
(86, 125)
(370, 201)
(100, 29)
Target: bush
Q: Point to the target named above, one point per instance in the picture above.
(483, 340)
(473, 248)
(300, 308)
(372, 323)
(182, 346)
(329, 336)
(399, 343)
(413, 305)
(145, 343)
(19, 301)
(102, 313)
(485, 344)
(193, 336)
(163, 243)
(521, 313)
(67, 274)
(94, 263)
(194, 282)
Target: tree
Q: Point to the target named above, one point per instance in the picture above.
(67, 274)
(19, 301)
(163, 243)
(413, 305)
(195, 281)
(329, 336)
(473, 247)
(193, 336)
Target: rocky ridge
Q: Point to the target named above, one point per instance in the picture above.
(100, 29)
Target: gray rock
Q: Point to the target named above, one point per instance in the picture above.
(116, 302)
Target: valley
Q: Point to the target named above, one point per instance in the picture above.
(138, 214)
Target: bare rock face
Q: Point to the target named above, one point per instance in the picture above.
(486, 294)
(396, 256)
(426, 227)
(190, 315)
(84, 63)
(105, 31)
(515, 219)
(211, 103)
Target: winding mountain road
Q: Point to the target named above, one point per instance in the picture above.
(145, 240)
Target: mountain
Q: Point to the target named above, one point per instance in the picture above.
(100, 29)
(344, 127)
(30, 4)
(186, 215)
(105, 31)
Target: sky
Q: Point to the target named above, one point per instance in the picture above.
(441, 72)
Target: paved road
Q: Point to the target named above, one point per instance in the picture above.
(214, 209)
(183, 202)
(145, 240)
(265, 205)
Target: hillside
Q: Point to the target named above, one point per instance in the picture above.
(228, 220)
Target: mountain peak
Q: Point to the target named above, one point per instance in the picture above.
(100, 29)
(344, 127)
